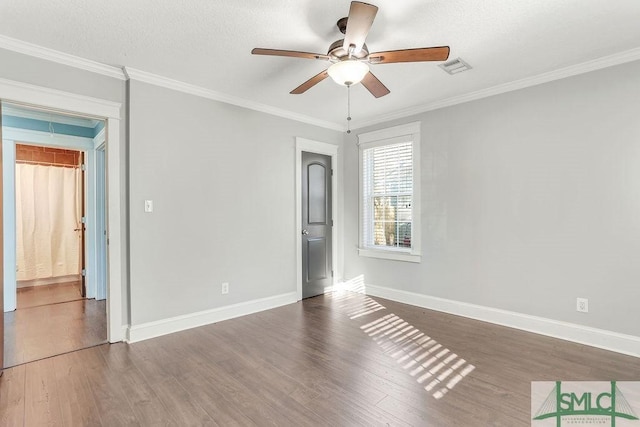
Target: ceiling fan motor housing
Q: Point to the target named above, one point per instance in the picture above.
(337, 50)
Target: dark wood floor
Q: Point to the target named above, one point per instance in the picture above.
(339, 359)
(34, 296)
(40, 331)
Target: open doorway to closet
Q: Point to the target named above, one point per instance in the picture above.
(53, 303)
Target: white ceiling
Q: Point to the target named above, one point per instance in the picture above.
(208, 42)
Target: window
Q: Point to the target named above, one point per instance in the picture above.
(389, 190)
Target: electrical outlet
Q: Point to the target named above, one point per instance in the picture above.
(225, 288)
(582, 305)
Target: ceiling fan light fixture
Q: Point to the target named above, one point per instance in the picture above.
(348, 72)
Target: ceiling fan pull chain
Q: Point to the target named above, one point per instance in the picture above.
(349, 109)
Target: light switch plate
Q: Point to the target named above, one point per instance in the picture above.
(148, 205)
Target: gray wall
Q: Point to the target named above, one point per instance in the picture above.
(35, 71)
(529, 200)
(222, 182)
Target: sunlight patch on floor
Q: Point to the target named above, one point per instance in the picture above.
(434, 366)
(356, 304)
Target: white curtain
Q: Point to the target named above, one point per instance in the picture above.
(47, 213)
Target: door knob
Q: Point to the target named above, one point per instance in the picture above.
(305, 232)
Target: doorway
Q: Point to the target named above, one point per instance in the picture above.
(111, 112)
(50, 273)
(50, 249)
(316, 275)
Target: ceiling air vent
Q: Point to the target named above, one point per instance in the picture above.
(455, 66)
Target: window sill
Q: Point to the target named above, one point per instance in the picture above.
(390, 255)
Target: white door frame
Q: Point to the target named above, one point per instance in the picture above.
(70, 103)
(331, 150)
(101, 210)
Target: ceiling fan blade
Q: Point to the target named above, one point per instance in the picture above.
(290, 53)
(374, 85)
(361, 16)
(310, 83)
(440, 53)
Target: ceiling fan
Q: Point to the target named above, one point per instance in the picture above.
(350, 56)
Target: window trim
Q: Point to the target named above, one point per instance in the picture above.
(392, 135)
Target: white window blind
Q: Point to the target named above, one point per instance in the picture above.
(387, 196)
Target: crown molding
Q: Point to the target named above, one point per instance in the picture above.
(57, 101)
(34, 50)
(573, 70)
(154, 79)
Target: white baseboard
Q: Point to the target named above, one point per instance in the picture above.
(157, 328)
(607, 340)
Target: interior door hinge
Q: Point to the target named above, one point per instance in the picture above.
(331, 172)
(331, 273)
(83, 167)
(84, 272)
(332, 223)
(84, 219)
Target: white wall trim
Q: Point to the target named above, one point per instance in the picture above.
(116, 233)
(378, 136)
(34, 50)
(179, 86)
(100, 138)
(394, 255)
(180, 323)
(573, 70)
(57, 100)
(408, 132)
(9, 225)
(331, 150)
(600, 338)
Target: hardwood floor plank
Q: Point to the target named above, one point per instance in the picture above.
(113, 406)
(12, 396)
(180, 404)
(76, 400)
(42, 397)
(213, 401)
(146, 405)
(273, 389)
(242, 397)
